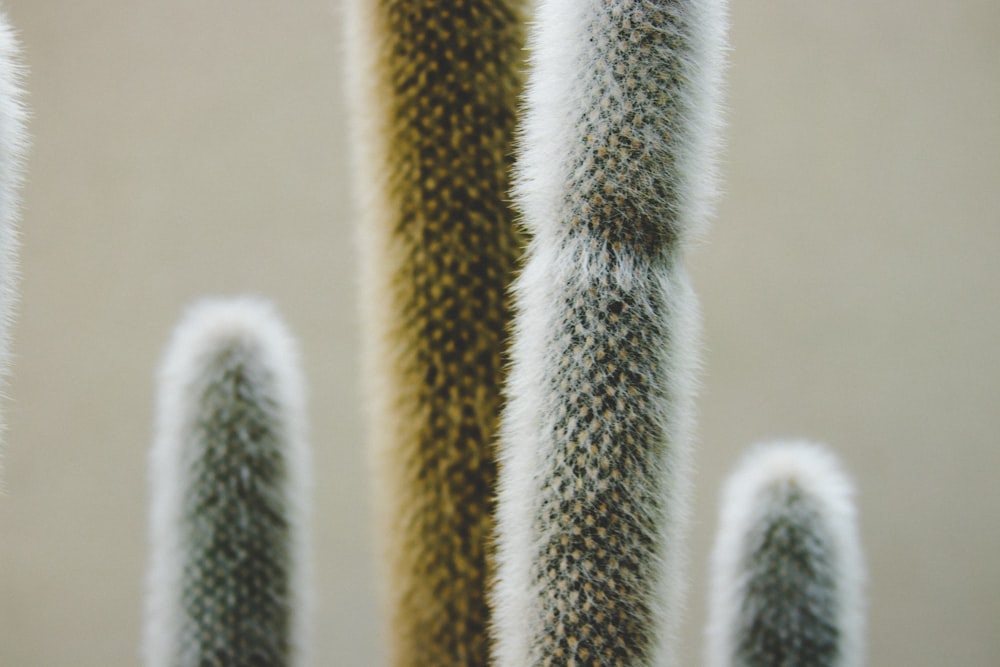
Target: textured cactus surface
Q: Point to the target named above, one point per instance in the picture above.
(436, 85)
(229, 477)
(613, 175)
(13, 145)
(787, 565)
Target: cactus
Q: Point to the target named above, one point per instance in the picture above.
(787, 565)
(13, 146)
(229, 481)
(614, 175)
(435, 85)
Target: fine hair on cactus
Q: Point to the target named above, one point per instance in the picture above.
(435, 86)
(787, 569)
(229, 477)
(614, 174)
(13, 147)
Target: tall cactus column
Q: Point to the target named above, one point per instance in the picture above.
(13, 145)
(614, 175)
(229, 473)
(435, 86)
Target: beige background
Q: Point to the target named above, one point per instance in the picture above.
(849, 286)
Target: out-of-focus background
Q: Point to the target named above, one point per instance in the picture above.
(849, 285)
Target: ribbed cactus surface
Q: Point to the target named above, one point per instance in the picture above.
(13, 146)
(435, 86)
(787, 565)
(613, 176)
(229, 478)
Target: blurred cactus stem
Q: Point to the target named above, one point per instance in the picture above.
(229, 474)
(614, 175)
(787, 570)
(435, 86)
(13, 149)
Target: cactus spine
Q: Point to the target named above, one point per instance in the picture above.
(614, 174)
(436, 85)
(13, 146)
(229, 477)
(787, 565)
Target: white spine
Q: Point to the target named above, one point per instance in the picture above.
(13, 149)
(229, 442)
(787, 569)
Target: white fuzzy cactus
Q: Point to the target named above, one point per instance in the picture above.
(614, 174)
(13, 146)
(229, 474)
(787, 569)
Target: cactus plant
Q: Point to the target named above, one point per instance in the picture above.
(13, 146)
(436, 85)
(613, 176)
(229, 482)
(787, 566)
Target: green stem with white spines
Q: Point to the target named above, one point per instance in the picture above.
(787, 568)
(229, 476)
(614, 174)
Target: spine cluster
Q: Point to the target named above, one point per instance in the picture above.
(229, 479)
(613, 177)
(435, 86)
(787, 565)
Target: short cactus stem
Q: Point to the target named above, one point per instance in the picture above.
(229, 476)
(787, 569)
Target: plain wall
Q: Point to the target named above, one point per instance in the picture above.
(849, 286)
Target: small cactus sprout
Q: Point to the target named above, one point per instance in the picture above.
(435, 85)
(13, 146)
(614, 174)
(229, 483)
(787, 569)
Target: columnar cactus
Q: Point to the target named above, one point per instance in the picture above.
(787, 565)
(229, 474)
(436, 85)
(614, 174)
(13, 146)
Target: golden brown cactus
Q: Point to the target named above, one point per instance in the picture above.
(436, 87)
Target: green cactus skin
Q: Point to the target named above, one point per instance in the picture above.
(787, 573)
(13, 149)
(614, 175)
(229, 483)
(435, 86)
